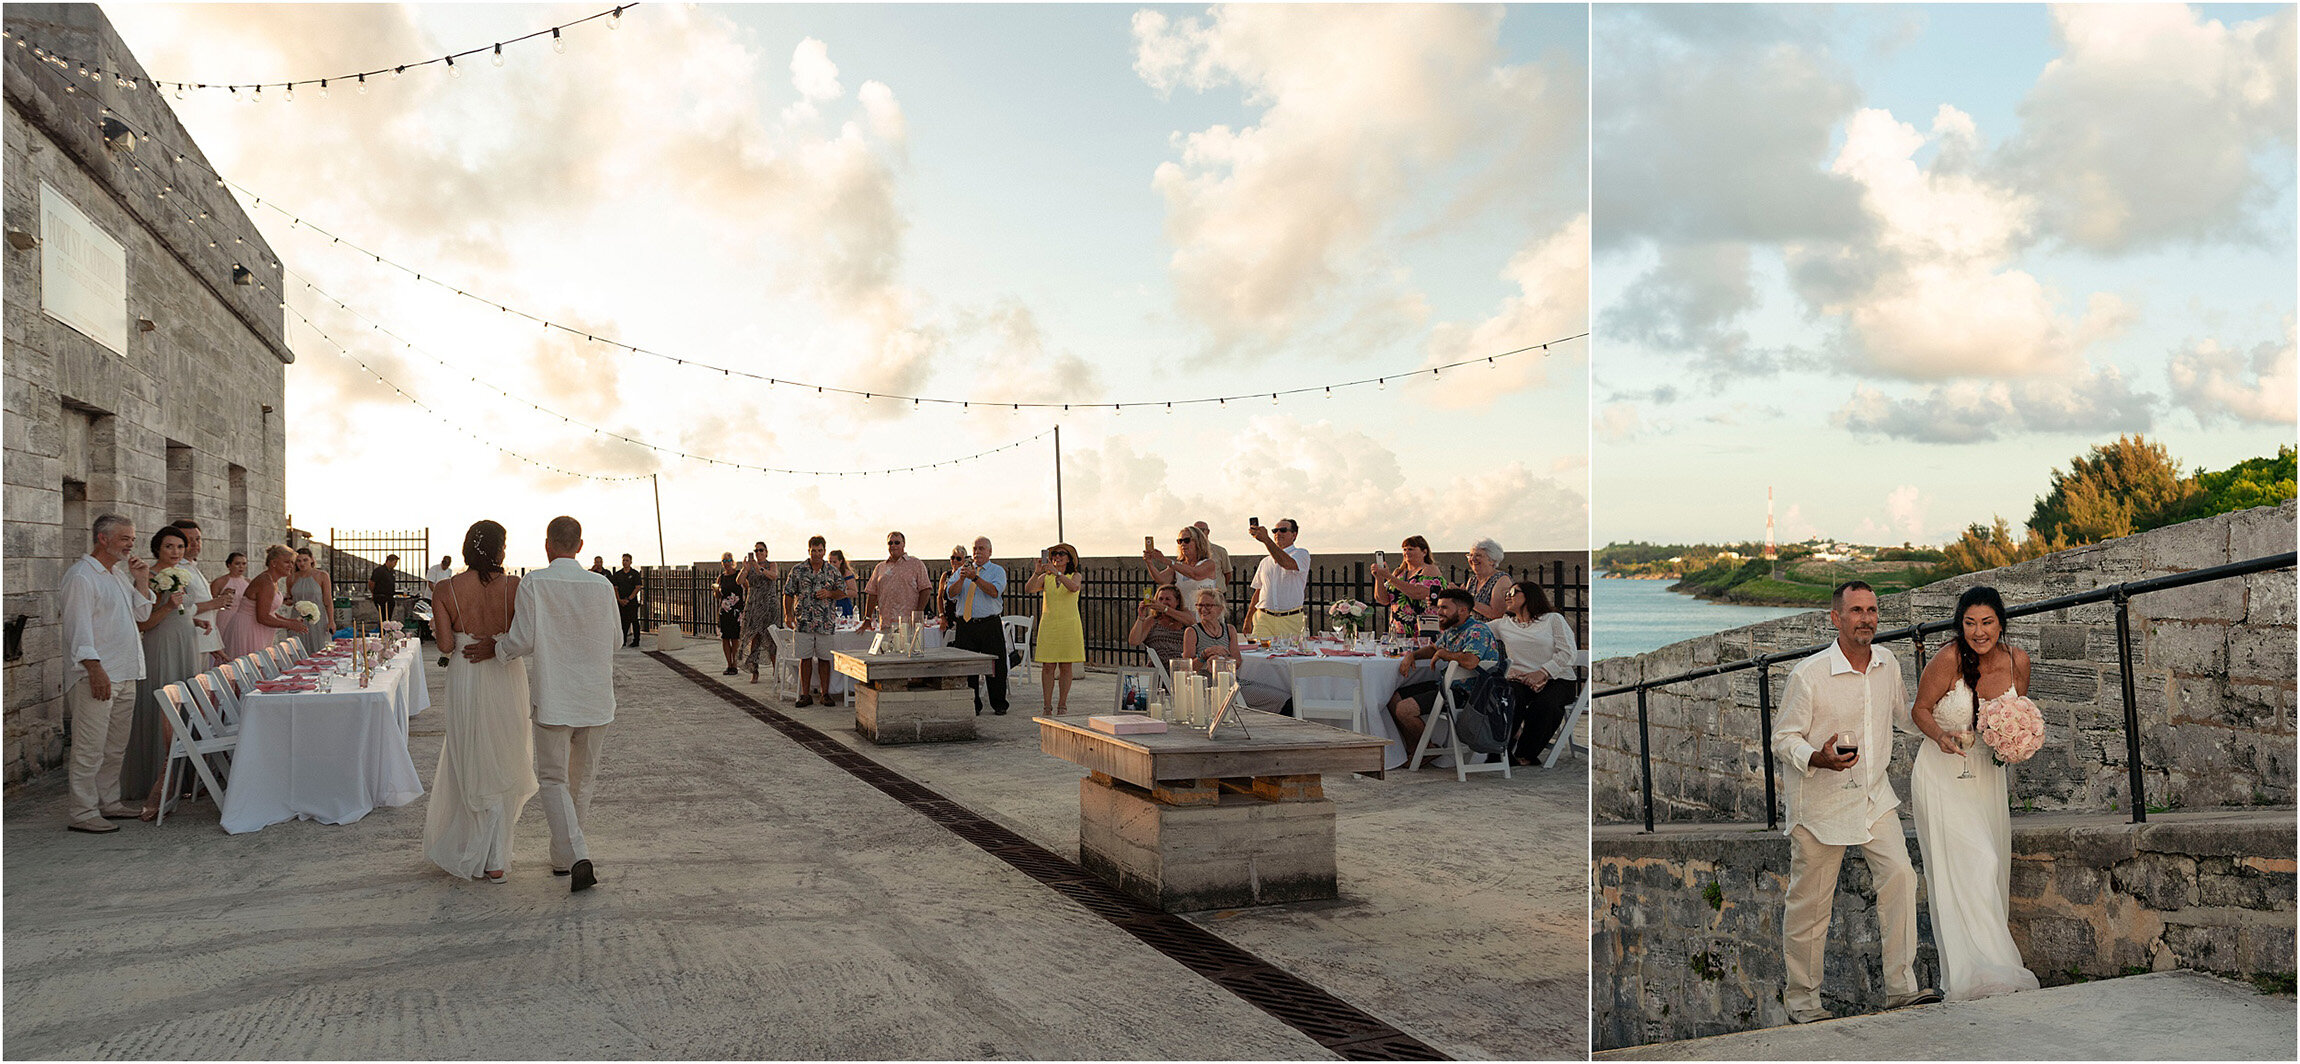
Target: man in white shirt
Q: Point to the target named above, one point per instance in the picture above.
(565, 620)
(1275, 611)
(104, 657)
(1851, 693)
(439, 574)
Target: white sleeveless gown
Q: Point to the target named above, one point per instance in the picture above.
(486, 766)
(1965, 829)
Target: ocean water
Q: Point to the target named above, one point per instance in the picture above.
(1634, 616)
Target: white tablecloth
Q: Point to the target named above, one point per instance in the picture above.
(854, 642)
(330, 756)
(1378, 679)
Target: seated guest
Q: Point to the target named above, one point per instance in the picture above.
(1159, 625)
(1543, 664)
(1409, 589)
(1465, 641)
(1213, 636)
(1487, 585)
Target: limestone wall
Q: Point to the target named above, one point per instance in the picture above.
(188, 422)
(1686, 923)
(2214, 678)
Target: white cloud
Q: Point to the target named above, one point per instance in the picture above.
(2097, 401)
(2259, 387)
(1905, 511)
(1931, 295)
(1552, 301)
(1361, 109)
(813, 73)
(2154, 124)
(1618, 421)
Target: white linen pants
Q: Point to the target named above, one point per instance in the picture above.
(1812, 898)
(99, 743)
(566, 765)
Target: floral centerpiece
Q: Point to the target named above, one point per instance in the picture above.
(1350, 615)
(2012, 727)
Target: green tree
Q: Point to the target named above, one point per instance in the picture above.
(2249, 483)
(1990, 547)
(2120, 488)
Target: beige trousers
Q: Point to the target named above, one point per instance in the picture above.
(99, 743)
(1812, 897)
(566, 765)
(1269, 625)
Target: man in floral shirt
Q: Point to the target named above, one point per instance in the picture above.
(1465, 641)
(810, 609)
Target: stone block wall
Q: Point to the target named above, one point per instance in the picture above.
(1686, 923)
(2214, 684)
(159, 432)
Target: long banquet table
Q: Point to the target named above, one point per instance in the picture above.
(1378, 679)
(332, 755)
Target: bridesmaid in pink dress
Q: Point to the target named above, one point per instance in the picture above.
(256, 621)
(232, 589)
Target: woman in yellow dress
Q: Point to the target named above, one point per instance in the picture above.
(1061, 638)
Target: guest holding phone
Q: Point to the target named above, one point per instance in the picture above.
(1061, 636)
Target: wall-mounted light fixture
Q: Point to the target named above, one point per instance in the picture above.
(21, 240)
(241, 275)
(145, 325)
(117, 135)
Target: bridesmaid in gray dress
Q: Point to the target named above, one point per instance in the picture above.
(312, 585)
(171, 655)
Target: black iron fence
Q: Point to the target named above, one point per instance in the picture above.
(2120, 594)
(350, 556)
(1110, 589)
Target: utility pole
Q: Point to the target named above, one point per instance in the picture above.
(1058, 536)
(662, 557)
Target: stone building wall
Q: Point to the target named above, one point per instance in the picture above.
(2214, 678)
(188, 421)
(1686, 923)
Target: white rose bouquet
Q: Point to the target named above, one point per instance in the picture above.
(309, 611)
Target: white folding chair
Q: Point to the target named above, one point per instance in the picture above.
(1443, 711)
(213, 699)
(1018, 637)
(191, 742)
(1330, 691)
(254, 666)
(1572, 720)
(786, 667)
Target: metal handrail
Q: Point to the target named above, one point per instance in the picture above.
(2120, 594)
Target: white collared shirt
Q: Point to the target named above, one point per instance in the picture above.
(1545, 643)
(565, 621)
(101, 608)
(1283, 590)
(1826, 696)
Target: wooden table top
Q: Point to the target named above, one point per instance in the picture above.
(1281, 746)
(939, 661)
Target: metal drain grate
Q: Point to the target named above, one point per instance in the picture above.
(1342, 1028)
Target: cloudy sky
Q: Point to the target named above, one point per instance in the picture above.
(1011, 203)
(1897, 262)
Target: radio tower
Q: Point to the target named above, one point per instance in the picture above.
(1771, 559)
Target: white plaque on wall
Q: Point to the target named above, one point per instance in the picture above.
(83, 273)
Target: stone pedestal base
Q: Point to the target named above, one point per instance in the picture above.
(1229, 850)
(940, 709)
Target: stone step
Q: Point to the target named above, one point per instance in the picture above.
(2163, 1016)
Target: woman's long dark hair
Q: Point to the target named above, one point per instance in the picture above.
(483, 550)
(1969, 661)
(1536, 603)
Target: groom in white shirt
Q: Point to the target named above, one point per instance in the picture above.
(1838, 800)
(565, 619)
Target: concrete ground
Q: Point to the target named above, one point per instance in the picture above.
(756, 901)
(2164, 1016)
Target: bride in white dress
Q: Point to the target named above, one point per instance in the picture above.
(1958, 794)
(487, 762)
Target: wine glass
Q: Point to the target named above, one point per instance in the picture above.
(1847, 746)
(1965, 741)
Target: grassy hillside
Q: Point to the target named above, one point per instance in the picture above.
(1799, 583)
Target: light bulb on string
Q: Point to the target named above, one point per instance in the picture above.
(363, 84)
(289, 96)
(558, 43)
(397, 71)
(451, 68)
(615, 21)
(498, 55)
(323, 88)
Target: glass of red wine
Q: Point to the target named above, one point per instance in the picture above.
(1847, 746)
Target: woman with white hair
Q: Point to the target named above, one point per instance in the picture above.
(1487, 583)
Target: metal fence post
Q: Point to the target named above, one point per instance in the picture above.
(1645, 759)
(2131, 706)
(1765, 739)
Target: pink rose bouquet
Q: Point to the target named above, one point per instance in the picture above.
(2013, 727)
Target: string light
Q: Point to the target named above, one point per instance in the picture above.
(134, 82)
(1381, 382)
